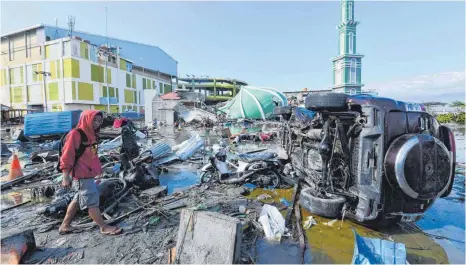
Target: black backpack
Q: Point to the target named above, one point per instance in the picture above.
(79, 152)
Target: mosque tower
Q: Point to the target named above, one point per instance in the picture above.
(347, 65)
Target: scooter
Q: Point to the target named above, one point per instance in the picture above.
(261, 169)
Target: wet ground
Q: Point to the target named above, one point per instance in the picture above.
(437, 238)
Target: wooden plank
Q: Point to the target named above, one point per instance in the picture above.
(293, 203)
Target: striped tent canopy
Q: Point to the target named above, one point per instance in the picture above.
(253, 103)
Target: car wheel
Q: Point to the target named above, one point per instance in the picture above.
(329, 207)
(327, 101)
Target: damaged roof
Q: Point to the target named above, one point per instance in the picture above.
(171, 95)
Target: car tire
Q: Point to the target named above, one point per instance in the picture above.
(329, 207)
(327, 101)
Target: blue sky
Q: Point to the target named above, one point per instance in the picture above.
(408, 46)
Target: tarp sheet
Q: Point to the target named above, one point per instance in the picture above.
(377, 251)
(253, 103)
(303, 115)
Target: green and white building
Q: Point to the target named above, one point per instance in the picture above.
(86, 71)
(347, 65)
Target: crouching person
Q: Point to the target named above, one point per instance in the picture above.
(79, 162)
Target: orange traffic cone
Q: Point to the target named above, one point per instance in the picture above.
(15, 168)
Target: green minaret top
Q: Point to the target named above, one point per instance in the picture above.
(347, 65)
(347, 12)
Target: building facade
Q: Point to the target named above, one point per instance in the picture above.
(84, 71)
(347, 65)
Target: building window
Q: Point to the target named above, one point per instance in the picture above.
(342, 43)
(350, 11)
(353, 91)
(337, 73)
(351, 42)
(353, 71)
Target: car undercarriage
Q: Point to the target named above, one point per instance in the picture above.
(375, 160)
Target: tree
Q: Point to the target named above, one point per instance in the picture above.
(459, 118)
(445, 118)
(458, 105)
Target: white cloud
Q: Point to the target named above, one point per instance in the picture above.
(444, 87)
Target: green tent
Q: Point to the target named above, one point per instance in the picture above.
(254, 103)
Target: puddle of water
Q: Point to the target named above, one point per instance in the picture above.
(446, 218)
(13, 198)
(460, 150)
(332, 244)
(286, 252)
(178, 179)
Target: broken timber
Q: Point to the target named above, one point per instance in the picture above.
(293, 203)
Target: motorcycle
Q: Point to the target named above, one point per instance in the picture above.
(261, 169)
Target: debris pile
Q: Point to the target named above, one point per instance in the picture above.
(235, 200)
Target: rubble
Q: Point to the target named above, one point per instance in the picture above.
(151, 216)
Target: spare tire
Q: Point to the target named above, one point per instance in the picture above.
(329, 207)
(420, 165)
(327, 101)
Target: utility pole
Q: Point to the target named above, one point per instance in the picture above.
(106, 54)
(44, 74)
(106, 62)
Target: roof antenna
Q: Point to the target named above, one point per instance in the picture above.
(106, 27)
(71, 23)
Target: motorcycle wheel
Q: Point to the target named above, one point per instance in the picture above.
(208, 176)
(276, 179)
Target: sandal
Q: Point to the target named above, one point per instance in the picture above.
(115, 231)
(70, 230)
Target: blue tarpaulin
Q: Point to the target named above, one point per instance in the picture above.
(377, 251)
(304, 115)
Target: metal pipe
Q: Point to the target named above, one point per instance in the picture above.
(45, 92)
